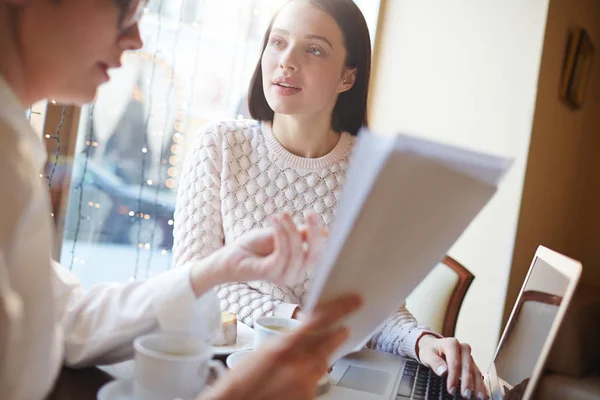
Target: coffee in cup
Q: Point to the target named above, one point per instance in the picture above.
(266, 327)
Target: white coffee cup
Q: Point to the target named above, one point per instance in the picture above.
(266, 327)
(170, 366)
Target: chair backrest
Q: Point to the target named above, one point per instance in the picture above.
(437, 300)
(526, 334)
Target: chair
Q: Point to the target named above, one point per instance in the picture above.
(437, 300)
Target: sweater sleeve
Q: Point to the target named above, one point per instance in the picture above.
(399, 334)
(198, 229)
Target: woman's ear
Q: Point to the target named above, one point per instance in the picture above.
(347, 81)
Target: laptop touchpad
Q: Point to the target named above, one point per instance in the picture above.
(365, 379)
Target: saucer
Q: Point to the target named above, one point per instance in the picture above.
(117, 390)
(245, 341)
(235, 358)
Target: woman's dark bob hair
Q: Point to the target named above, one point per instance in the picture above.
(350, 112)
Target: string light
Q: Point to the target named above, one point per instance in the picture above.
(166, 162)
(79, 186)
(146, 125)
(162, 142)
(56, 137)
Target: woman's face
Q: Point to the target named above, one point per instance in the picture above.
(87, 40)
(303, 64)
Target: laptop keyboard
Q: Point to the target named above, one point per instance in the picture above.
(419, 382)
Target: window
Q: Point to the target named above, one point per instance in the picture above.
(195, 66)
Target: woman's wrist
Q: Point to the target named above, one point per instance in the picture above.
(425, 339)
(208, 272)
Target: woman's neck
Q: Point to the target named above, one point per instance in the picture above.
(10, 63)
(308, 137)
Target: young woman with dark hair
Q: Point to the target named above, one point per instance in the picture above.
(308, 98)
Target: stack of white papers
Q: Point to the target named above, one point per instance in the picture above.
(405, 203)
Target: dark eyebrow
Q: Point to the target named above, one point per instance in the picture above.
(316, 37)
(322, 38)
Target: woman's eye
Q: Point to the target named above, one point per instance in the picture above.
(277, 43)
(315, 51)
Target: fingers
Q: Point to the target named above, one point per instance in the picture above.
(452, 352)
(304, 231)
(461, 369)
(288, 261)
(281, 251)
(328, 343)
(293, 260)
(293, 268)
(480, 390)
(467, 382)
(325, 316)
(314, 239)
(316, 339)
(436, 363)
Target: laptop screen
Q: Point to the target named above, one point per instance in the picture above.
(529, 326)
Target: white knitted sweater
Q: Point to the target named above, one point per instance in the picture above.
(234, 178)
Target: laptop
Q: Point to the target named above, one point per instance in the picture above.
(518, 361)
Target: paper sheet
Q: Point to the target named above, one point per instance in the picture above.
(405, 203)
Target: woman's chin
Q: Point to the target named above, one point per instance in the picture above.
(282, 109)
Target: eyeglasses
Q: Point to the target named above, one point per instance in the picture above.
(131, 13)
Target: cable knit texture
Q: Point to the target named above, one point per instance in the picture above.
(234, 178)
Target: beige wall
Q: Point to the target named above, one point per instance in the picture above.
(465, 72)
(561, 198)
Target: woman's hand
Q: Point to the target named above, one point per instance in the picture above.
(278, 254)
(282, 254)
(448, 355)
